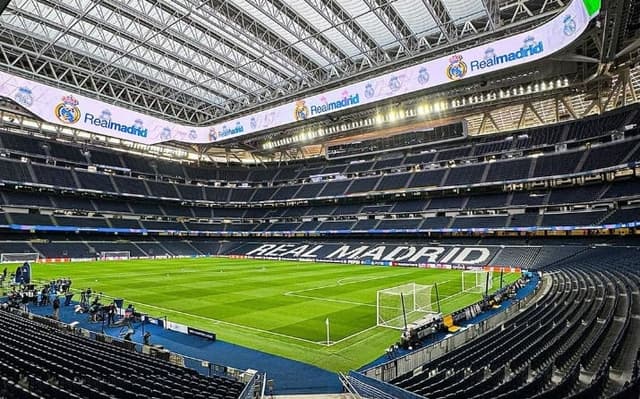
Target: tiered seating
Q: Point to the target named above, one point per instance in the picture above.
(401, 224)
(50, 363)
(99, 157)
(161, 189)
(63, 250)
(479, 221)
(66, 152)
(30, 219)
(427, 178)
(486, 201)
(362, 185)
(623, 216)
(138, 164)
(111, 206)
(95, 181)
(576, 194)
(436, 222)
(465, 175)
(23, 144)
(559, 164)
(393, 182)
(80, 221)
(26, 199)
(603, 156)
(564, 346)
(446, 171)
(59, 177)
(509, 170)
(572, 219)
(365, 224)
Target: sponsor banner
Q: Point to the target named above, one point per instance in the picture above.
(202, 334)
(176, 327)
(66, 108)
(505, 269)
(54, 260)
(327, 233)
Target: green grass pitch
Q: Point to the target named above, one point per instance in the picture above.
(279, 307)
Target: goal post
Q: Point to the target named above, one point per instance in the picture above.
(476, 281)
(115, 255)
(17, 257)
(389, 307)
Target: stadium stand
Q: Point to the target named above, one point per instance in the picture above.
(566, 346)
(35, 353)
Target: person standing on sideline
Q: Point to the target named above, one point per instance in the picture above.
(112, 314)
(56, 308)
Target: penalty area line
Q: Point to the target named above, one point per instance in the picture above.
(351, 336)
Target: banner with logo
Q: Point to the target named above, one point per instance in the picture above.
(62, 107)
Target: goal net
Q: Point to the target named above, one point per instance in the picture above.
(31, 257)
(476, 280)
(115, 255)
(417, 303)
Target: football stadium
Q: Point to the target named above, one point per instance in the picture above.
(304, 199)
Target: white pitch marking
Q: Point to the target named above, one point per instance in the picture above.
(337, 284)
(216, 321)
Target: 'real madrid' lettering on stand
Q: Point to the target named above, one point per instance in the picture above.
(384, 253)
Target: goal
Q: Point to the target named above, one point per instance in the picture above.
(31, 257)
(115, 255)
(475, 281)
(417, 304)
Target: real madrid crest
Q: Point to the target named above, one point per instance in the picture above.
(369, 91)
(569, 25)
(165, 133)
(489, 54)
(24, 96)
(67, 111)
(106, 115)
(301, 111)
(457, 68)
(423, 76)
(394, 84)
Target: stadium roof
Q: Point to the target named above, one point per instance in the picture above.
(200, 61)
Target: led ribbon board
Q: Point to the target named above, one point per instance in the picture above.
(65, 108)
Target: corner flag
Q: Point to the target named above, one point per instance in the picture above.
(327, 323)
